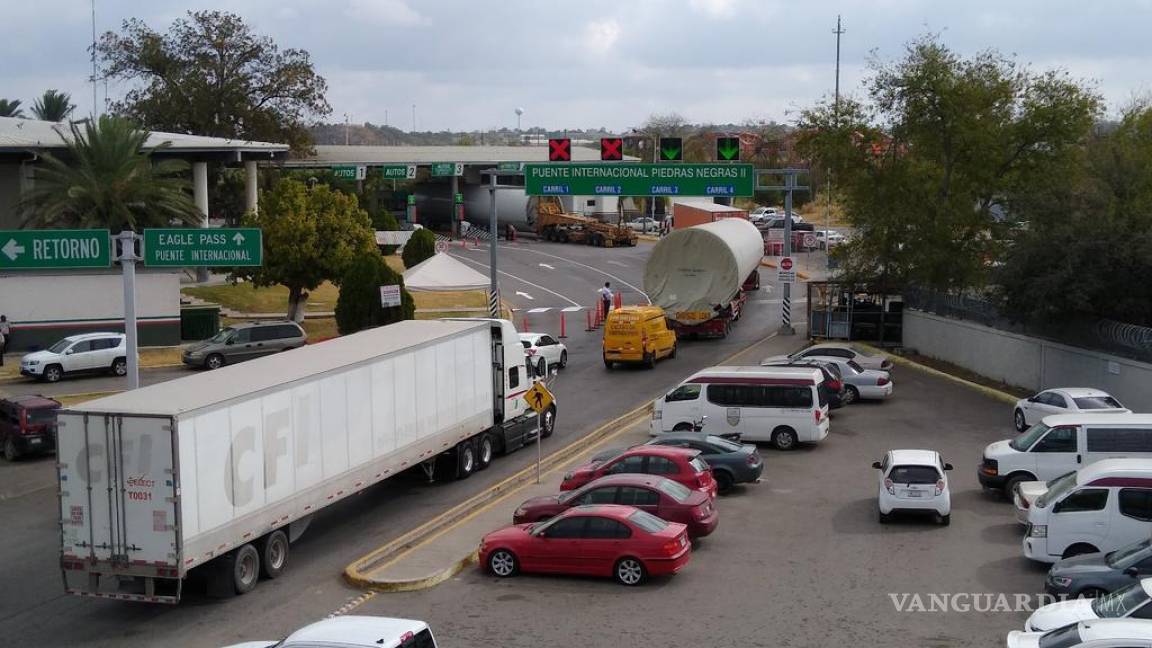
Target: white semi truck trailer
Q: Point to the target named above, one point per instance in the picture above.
(219, 471)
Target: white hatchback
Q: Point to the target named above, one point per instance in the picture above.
(544, 351)
(1064, 400)
(1133, 601)
(913, 481)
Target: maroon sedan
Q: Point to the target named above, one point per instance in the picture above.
(659, 496)
(608, 540)
(678, 464)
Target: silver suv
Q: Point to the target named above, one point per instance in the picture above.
(246, 341)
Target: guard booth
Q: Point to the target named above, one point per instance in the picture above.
(850, 311)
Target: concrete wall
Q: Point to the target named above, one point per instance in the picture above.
(1027, 362)
(46, 306)
(10, 183)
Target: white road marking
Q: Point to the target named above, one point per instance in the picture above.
(525, 281)
(545, 265)
(622, 265)
(538, 310)
(572, 309)
(525, 295)
(582, 265)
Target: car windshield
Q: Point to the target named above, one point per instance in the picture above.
(1121, 602)
(675, 490)
(1066, 637)
(913, 475)
(855, 366)
(724, 444)
(1025, 440)
(41, 414)
(1056, 489)
(223, 335)
(610, 456)
(647, 521)
(1097, 402)
(60, 346)
(1125, 557)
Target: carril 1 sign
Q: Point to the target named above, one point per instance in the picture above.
(48, 249)
(639, 179)
(188, 247)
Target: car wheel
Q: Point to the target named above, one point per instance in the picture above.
(675, 347)
(784, 438)
(120, 367)
(11, 452)
(851, 395)
(486, 450)
(503, 563)
(274, 554)
(245, 569)
(724, 482)
(884, 518)
(542, 367)
(465, 459)
(608, 364)
(547, 422)
(53, 373)
(563, 359)
(944, 520)
(214, 361)
(629, 571)
(1091, 593)
(682, 427)
(1010, 485)
(1018, 419)
(650, 360)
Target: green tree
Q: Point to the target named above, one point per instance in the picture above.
(108, 179)
(943, 142)
(384, 221)
(211, 75)
(53, 106)
(421, 246)
(11, 108)
(311, 235)
(359, 307)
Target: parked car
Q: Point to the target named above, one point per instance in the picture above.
(845, 351)
(1101, 507)
(1133, 600)
(545, 350)
(833, 385)
(1025, 494)
(913, 481)
(245, 341)
(354, 632)
(86, 353)
(659, 496)
(826, 239)
(861, 383)
(605, 540)
(1096, 574)
(27, 425)
(1065, 400)
(731, 462)
(644, 224)
(677, 464)
(1103, 633)
(637, 334)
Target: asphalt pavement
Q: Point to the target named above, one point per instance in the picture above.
(38, 613)
(87, 384)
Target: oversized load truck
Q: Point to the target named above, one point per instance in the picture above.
(553, 224)
(700, 275)
(219, 471)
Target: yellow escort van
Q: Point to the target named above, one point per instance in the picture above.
(637, 334)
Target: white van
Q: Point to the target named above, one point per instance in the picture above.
(1100, 507)
(1062, 443)
(781, 405)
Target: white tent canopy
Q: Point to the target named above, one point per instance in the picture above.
(442, 273)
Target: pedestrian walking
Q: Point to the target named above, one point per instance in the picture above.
(605, 298)
(5, 334)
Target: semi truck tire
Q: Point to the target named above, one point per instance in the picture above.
(245, 569)
(274, 554)
(465, 459)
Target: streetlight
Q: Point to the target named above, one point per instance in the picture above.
(347, 121)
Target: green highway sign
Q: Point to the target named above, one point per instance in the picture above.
(398, 171)
(46, 249)
(350, 172)
(639, 179)
(510, 167)
(203, 247)
(447, 169)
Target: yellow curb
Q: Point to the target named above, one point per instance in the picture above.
(900, 360)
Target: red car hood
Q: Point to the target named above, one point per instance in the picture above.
(548, 501)
(508, 533)
(579, 476)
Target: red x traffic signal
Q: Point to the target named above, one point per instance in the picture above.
(560, 149)
(611, 148)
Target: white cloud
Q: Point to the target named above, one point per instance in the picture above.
(715, 8)
(385, 12)
(600, 36)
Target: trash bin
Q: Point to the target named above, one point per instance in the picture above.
(199, 322)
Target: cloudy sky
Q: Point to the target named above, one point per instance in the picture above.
(467, 64)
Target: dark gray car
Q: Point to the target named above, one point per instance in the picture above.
(731, 462)
(1095, 574)
(245, 341)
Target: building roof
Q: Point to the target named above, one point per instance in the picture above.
(327, 155)
(23, 135)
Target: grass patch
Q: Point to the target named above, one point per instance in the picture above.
(462, 299)
(395, 262)
(320, 328)
(246, 298)
(149, 357)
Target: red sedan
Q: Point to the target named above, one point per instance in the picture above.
(678, 464)
(608, 540)
(659, 496)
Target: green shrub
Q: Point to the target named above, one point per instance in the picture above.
(421, 246)
(358, 306)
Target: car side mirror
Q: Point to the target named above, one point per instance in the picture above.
(1131, 571)
(68, 352)
(947, 466)
(877, 466)
(1032, 399)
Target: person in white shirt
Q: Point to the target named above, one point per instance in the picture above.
(606, 298)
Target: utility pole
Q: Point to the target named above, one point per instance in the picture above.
(836, 100)
(347, 120)
(95, 104)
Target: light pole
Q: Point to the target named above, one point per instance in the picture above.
(347, 121)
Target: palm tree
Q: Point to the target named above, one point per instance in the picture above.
(10, 108)
(108, 181)
(53, 106)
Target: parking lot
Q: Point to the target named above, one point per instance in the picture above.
(798, 560)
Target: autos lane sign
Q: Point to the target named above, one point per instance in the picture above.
(46, 249)
(787, 272)
(203, 247)
(350, 172)
(639, 179)
(447, 169)
(398, 171)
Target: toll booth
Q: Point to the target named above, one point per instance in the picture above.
(848, 311)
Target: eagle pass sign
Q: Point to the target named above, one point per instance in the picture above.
(188, 247)
(639, 179)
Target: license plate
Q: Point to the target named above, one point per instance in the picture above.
(913, 493)
(34, 441)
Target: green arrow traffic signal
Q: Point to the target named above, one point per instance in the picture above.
(671, 149)
(728, 148)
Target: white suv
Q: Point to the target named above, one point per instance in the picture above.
(89, 352)
(914, 481)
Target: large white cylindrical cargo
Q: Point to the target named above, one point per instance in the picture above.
(693, 271)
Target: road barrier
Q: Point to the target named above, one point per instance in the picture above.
(563, 327)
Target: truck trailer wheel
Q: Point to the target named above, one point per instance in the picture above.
(245, 569)
(486, 448)
(273, 554)
(465, 459)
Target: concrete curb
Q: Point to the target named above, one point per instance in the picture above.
(900, 360)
